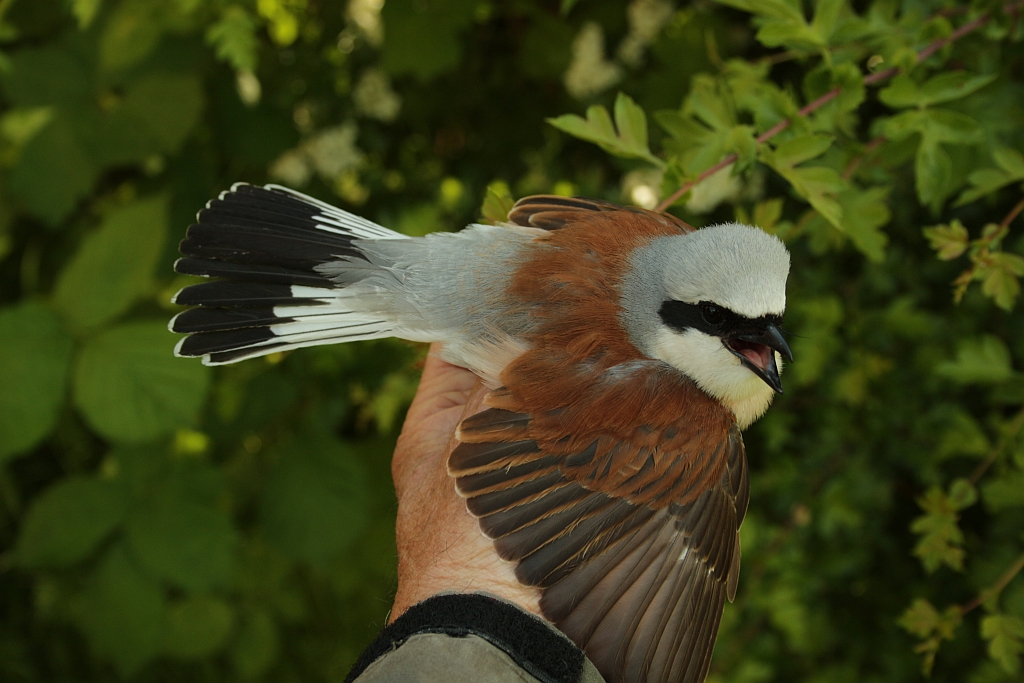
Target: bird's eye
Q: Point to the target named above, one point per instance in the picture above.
(711, 313)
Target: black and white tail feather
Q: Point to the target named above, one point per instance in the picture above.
(268, 245)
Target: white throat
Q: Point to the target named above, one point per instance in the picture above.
(704, 359)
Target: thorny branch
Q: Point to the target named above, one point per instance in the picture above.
(871, 79)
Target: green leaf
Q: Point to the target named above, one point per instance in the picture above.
(233, 38)
(131, 388)
(979, 361)
(941, 541)
(950, 241)
(962, 494)
(864, 213)
(68, 521)
(631, 122)
(1005, 636)
(963, 436)
(165, 107)
(925, 622)
(1010, 160)
(36, 356)
(1005, 491)
(121, 613)
(815, 184)
(708, 102)
(314, 504)
(944, 125)
(53, 172)
(826, 15)
(129, 35)
(904, 125)
(750, 90)
(902, 91)
(934, 125)
(985, 181)
(113, 267)
(178, 537)
(197, 627)
(773, 9)
(497, 203)
(921, 618)
(952, 85)
(933, 173)
(626, 138)
(1000, 278)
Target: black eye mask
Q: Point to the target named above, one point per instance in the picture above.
(712, 319)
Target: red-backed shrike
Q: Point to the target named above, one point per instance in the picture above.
(624, 350)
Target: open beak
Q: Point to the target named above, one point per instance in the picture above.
(757, 352)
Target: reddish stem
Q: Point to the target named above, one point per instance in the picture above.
(997, 587)
(1014, 212)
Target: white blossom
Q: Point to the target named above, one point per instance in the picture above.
(646, 19)
(333, 151)
(374, 97)
(589, 72)
(291, 168)
(366, 15)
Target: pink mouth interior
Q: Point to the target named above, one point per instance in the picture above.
(758, 354)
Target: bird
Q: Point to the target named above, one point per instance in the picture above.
(623, 351)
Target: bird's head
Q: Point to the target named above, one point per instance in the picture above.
(710, 304)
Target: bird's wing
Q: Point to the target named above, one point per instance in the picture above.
(631, 533)
(552, 212)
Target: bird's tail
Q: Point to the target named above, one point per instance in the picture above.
(265, 244)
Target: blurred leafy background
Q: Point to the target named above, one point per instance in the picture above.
(160, 521)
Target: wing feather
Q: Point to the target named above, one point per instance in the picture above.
(636, 575)
(553, 212)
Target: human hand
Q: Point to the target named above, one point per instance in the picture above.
(440, 545)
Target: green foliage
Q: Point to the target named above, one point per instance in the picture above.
(1005, 636)
(68, 521)
(162, 521)
(941, 540)
(32, 388)
(931, 627)
(497, 203)
(129, 387)
(626, 138)
(233, 37)
(124, 254)
(314, 504)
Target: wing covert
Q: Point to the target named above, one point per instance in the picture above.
(554, 212)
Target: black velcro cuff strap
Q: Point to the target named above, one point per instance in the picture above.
(531, 642)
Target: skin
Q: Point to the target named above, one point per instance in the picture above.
(440, 545)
